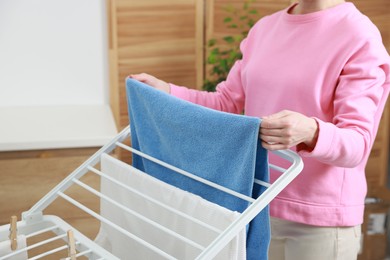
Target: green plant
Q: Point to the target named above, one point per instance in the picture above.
(223, 53)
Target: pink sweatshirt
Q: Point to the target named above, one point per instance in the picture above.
(330, 65)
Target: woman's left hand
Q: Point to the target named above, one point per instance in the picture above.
(286, 128)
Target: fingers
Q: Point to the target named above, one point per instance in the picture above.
(143, 77)
(285, 129)
(276, 121)
(272, 142)
(274, 146)
(271, 138)
(277, 142)
(152, 81)
(276, 131)
(272, 131)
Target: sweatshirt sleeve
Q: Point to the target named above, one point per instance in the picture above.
(359, 100)
(229, 95)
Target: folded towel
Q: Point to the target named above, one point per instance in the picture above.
(188, 203)
(218, 146)
(5, 249)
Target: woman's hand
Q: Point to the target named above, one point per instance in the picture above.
(152, 81)
(285, 129)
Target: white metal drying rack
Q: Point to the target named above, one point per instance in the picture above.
(34, 222)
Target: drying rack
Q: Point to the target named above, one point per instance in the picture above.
(34, 222)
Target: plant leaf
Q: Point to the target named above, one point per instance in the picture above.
(229, 39)
(227, 19)
(211, 42)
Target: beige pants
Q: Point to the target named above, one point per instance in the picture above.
(295, 241)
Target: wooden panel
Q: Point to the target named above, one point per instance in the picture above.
(374, 245)
(27, 176)
(162, 38)
(113, 60)
(378, 163)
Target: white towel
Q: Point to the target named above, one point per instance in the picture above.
(195, 206)
(5, 249)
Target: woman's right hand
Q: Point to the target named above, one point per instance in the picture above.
(152, 81)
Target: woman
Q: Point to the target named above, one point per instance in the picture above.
(318, 75)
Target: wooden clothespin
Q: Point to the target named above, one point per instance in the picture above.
(71, 246)
(13, 233)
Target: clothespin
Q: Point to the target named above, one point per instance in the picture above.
(13, 233)
(71, 246)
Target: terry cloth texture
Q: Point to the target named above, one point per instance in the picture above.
(221, 147)
(192, 205)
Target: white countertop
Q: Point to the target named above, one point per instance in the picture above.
(55, 127)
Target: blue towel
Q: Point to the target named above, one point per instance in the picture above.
(221, 147)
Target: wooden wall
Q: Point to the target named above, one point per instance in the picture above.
(162, 38)
(27, 176)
